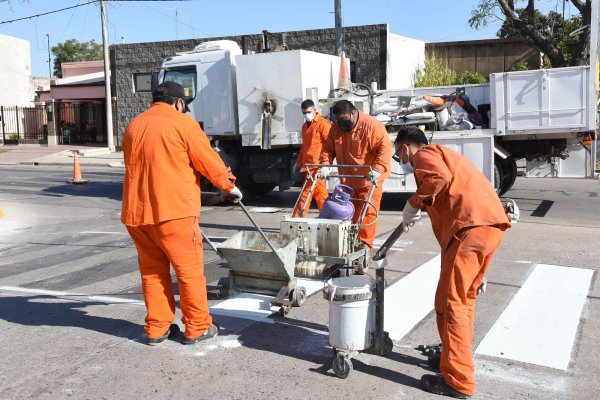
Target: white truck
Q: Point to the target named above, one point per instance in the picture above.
(250, 106)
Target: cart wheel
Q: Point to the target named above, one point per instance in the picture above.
(388, 346)
(298, 296)
(283, 311)
(223, 285)
(342, 366)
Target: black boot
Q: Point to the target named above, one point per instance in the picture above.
(437, 385)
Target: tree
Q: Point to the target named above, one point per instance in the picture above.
(73, 50)
(434, 73)
(546, 33)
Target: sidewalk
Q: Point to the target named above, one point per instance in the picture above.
(33, 154)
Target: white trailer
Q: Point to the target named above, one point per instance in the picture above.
(542, 116)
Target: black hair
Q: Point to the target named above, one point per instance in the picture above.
(343, 107)
(164, 98)
(307, 103)
(411, 134)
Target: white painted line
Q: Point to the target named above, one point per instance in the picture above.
(410, 299)
(540, 323)
(102, 233)
(103, 299)
(255, 307)
(37, 291)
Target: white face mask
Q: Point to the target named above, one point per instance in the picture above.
(309, 117)
(407, 168)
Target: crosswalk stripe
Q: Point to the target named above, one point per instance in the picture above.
(410, 299)
(540, 324)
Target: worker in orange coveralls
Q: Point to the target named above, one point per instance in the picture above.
(165, 152)
(359, 139)
(315, 131)
(469, 223)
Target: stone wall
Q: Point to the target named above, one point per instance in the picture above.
(366, 46)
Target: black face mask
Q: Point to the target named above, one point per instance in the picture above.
(346, 125)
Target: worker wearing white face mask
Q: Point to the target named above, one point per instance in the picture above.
(315, 131)
(469, 223)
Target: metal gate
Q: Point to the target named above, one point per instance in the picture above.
(81, 123)
(23, 124)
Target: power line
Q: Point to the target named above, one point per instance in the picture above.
(71, 7)
(47, 13)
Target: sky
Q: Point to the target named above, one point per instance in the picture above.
(148, 21)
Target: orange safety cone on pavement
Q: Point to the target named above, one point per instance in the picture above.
(77, 170)
(344, 77)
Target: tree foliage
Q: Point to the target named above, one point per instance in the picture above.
(434, 73)
(471, 78)
(74, 50)
(548, 33)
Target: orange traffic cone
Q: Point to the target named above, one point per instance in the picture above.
(76, 170)
(344, 77)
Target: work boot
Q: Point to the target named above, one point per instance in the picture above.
(169, 334)
(437, 384)
(210, 333)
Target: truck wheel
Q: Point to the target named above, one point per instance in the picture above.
(505, 174)
(260, 189)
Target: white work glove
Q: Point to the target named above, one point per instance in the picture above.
(374, 175)
(482, 288)
(296, 168)
(234, 196)
(323, 172)
(512, 211)
(410, 215)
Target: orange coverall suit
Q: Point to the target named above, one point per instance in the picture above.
(313, 136)
(367, 144)
(163, 152)
(469, 222)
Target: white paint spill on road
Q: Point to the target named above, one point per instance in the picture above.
(255, 307)
(231, 344)
(410, 299)
(540, 324)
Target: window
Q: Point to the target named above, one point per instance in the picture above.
(186, 77)
(142, 82)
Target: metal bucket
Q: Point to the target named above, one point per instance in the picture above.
(351, 312)
(253, 262)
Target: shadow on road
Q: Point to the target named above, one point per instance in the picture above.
(310, 342)
(38, 311)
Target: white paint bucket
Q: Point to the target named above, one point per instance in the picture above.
(351, 312)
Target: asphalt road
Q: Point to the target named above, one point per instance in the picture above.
(71, 317)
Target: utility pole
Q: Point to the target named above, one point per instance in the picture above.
(49, 65)
(109, 119)
(338, 27)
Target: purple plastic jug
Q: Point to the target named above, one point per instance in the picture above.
(338, 205)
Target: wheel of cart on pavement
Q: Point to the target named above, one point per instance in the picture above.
(342, 365)
(298, 296)
(388, 346)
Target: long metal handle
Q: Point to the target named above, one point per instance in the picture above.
(212, 246)
(260, 230)
(381, 253)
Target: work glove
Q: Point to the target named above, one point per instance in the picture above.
(296, 169)
(374, 175)
(482, 288)
(410, 215)
(234, 196)
(512, 211)
(323, 172)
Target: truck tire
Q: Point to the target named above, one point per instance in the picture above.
(260, 189)
(505, 174)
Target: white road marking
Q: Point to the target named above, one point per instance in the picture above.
(540, 324)
(257, 307)
(410, 299)
(103, 299)
(102, 233)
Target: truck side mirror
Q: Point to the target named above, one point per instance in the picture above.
(154, 81)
